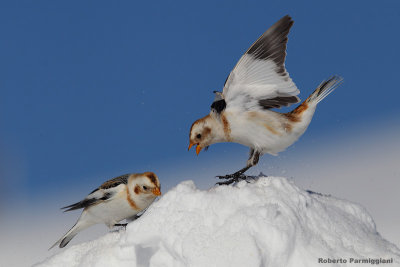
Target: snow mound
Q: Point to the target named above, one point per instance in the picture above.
(269, 222)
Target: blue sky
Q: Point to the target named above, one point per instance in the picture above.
(93, 89)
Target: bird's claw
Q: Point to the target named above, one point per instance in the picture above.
(235, 176)
(228, 182)
(231, 178)
(123, 225)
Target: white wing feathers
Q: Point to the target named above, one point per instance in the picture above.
(260, 80)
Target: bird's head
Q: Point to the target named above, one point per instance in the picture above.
(145, 185)
(201, 134)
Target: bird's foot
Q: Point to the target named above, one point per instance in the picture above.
(231, 178)
(134, 217)
(236, 175)
(121, 225)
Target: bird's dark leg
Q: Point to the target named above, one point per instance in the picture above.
(254, 156)
(131, 219)
(235, 174)
(134, 217)
(121, 224)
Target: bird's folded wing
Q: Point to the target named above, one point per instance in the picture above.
(259, 79)
(123, 179)
(94, 198)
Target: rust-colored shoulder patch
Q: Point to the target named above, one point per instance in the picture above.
(295, 115)
(227, 127)
(130, 200)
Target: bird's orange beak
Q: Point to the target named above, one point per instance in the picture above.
(198, 148)
(156, 191)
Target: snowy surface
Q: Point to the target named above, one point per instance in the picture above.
(270, 222)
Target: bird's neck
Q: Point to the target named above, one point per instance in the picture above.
(220, 126)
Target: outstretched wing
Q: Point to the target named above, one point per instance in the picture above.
(259, 79)
(104, 192)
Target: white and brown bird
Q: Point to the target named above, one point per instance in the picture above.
(120, 198)
(242, 113)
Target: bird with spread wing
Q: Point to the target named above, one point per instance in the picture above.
(242, 113)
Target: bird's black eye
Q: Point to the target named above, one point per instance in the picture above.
(144, 187)
(198, 136)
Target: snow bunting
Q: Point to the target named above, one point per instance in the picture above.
(242, 113)
(122, 197)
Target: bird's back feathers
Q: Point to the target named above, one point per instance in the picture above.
(89, 201)
(123, 179)
(101, 193)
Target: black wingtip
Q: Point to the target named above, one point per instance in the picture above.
(285, 20)
(70, 206)
(272, 44)
(77, 205)
(68, 209)
(287, 17)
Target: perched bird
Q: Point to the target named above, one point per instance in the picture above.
(122, 197)
(242, 113)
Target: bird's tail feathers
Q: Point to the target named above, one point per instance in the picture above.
(63, 241)
(324, 89)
